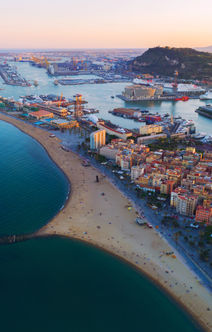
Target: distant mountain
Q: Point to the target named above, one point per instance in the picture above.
(164, 61)
(204, 49)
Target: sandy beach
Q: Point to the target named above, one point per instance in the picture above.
(98, 213)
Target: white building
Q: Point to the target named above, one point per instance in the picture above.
(185, 204)
(97, 139)
(136, 171)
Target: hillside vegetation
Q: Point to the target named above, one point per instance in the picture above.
(189, 63)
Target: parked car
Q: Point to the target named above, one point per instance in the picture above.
(194, 226)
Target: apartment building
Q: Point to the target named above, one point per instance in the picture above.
(186, 205)
(97, 139)
(204, 214)
(136, 171)
(150, 129)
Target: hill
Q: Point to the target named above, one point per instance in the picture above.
(189, 63)
(204, 49)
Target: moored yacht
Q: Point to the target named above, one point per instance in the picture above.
(206, 96)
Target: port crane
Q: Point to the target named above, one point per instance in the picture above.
(75, 62)
(60, 100)
(35, 59)
(78, 106)
(40, 61)
(47, 63)
(175, 84)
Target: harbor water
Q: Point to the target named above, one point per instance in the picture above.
(99, 97)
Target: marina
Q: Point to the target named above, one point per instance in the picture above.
(99, 97)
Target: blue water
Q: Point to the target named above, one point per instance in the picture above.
(32, 189)
(99, 97)
(57, 285)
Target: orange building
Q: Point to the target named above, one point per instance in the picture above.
(143, 180)
(167, 187)
(41, 114)
(204, 214)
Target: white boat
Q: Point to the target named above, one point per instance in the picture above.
(168, 86)
(185, 88)
(200, 136)
(206, 96)
(207, 139)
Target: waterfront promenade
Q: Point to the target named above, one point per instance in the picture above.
(98, 213)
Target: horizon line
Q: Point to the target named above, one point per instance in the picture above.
(95, 48)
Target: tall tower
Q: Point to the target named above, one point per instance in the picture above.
(78, 106)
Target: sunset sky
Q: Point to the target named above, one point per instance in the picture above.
(105, 23)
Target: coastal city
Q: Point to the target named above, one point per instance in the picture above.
(164, 160)
(106, 167)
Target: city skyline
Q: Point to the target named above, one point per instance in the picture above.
(105, 24)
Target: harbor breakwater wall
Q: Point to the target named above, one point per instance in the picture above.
(10, 239)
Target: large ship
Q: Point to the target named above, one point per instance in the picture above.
(205, 111)
(206, 96)
(114, 130)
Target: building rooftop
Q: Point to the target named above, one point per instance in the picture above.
(41, 113)
(60, 121)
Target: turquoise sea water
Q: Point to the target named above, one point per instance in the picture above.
(56, 284)
(32, 188)
(99, 97)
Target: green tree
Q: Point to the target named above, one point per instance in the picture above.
(204, 254)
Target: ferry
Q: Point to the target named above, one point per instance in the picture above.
(112, 129)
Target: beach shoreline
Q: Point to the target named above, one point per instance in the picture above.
(104, 221)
